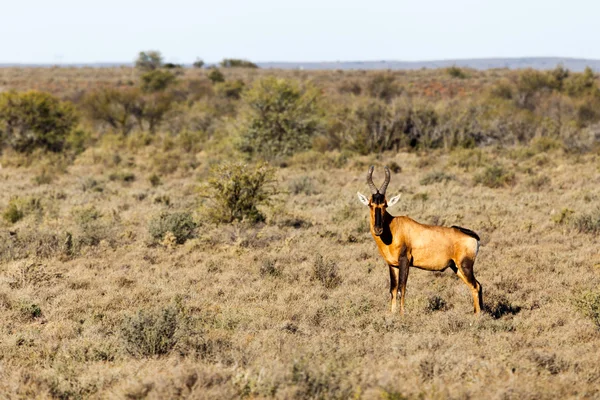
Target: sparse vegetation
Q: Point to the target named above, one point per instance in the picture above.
(108, 288)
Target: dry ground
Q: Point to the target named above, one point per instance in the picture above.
(250, 317)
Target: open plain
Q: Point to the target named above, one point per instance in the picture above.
(95, 304)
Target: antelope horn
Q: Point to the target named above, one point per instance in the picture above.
(370, 180)
(386, 181)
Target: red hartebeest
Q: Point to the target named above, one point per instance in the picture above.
(405, 243)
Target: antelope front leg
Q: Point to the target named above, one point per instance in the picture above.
(394, 284)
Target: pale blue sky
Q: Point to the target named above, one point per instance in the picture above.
(71, 31)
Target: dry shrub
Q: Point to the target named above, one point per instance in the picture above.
(587, 223)
(326, 272)
(436, 177)
(150, 333)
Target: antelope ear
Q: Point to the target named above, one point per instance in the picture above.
(362, 198)
(394, 200)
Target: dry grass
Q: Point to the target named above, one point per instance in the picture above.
(296, 307)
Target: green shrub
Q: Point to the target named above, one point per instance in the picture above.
(149, 60)
(236, 190)
(180, 224)
(216, 76)
(237, 63)
(13, 212)
(495, 176)
(589, 304)
(156, 80)
(281, 118)
(326, 272)
(150, 333)
(34, 120)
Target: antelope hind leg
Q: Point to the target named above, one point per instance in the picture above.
(465, 272)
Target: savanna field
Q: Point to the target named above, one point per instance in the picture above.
(195, 233)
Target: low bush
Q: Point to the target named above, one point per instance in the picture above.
(236, 190)
(435, 177)
(326, 272)
(589, 304)
(587, 223)
(495, 176)
(150, 333)
(180, 224)
(13, 213)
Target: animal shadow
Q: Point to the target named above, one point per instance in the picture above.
(500, 308)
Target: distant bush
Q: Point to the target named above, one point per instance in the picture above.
(34, 120)
(231, 89)
(581, 84)
(172, 66)
(156, 80)
(456, 72)
(149, 60)
(281, 118)
(113, 107)
(589, 304)
(216, 76)
(123, 109)
(150, 333)
(180, 224)
(151, 110)
(199, 63)
(383, 86)
(326, 272)
(237, 63)
(495, 176)
(236, 190)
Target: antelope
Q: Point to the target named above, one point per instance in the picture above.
(404, 243)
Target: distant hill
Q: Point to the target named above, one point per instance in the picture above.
(573, 64)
